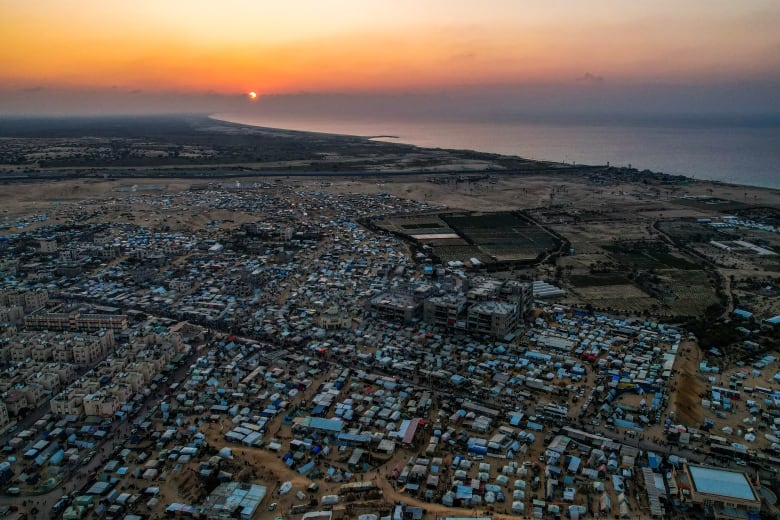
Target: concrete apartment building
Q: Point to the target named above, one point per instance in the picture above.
(102, 404)
(50, 381)
(47, 246)
(67, 402)
(28, 300)
(16, 401)
(87, 350)
(144, 369)
(64, 371)
(5, 419)
(444, 311)
(33, 392)
(521, 293)
(18, 352)
(484, 289)
(122, 391)
(135, 380)
(115, 381)
(11, 314)
(496, 319)
(61, 347)
(74, 321)
(396, 307)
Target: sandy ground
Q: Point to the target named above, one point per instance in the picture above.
(62, 199)
(687, 385)
(508, 193)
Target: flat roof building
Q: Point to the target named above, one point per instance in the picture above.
(496, 319)
(233, 500)
(443, 310)
(396, 306)
(723, 493)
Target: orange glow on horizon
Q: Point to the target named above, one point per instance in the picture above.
(352, 46)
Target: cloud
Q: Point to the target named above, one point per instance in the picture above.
(591, 78)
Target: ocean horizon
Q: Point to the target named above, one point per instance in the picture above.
(727, 149)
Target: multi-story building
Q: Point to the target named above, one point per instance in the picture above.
(67, 402)
(75, 321)
(495, 319)
(47, 246)
(484, 289)
(88, 350)
(444, 311)
(135, 380)
(396, 306)
(63, 354)
(11, 314)
(145, 369)
(33, 392)
(122, 391)
(28, 300)
(101, 404)
(64, 371)
(521, 293)
(42, 352)
(20, 351)
(5, 419)
(15, 402)
(50, 381)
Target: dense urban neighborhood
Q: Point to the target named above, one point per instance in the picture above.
(288, 349)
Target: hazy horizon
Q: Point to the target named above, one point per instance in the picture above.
(754, 104)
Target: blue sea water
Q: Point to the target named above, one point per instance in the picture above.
(734, 150)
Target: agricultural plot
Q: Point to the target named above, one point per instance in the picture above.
(693, 292)
(462, 253)
(504, 236)
(686, 231)
(588, 237)
(488, 237)
(598, 279)
(420, 225)
(627, 298)
(648, 255)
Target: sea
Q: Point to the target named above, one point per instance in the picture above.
(733, 150)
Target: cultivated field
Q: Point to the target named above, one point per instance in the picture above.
(506, 237)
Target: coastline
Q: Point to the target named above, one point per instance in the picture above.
(220, 148)
(766, 180)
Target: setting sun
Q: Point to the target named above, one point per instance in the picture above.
(252, 95)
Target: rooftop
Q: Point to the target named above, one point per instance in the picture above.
(231, 496)
(495, 308)
(731, 484)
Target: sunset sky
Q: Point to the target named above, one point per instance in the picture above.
(95, 55)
